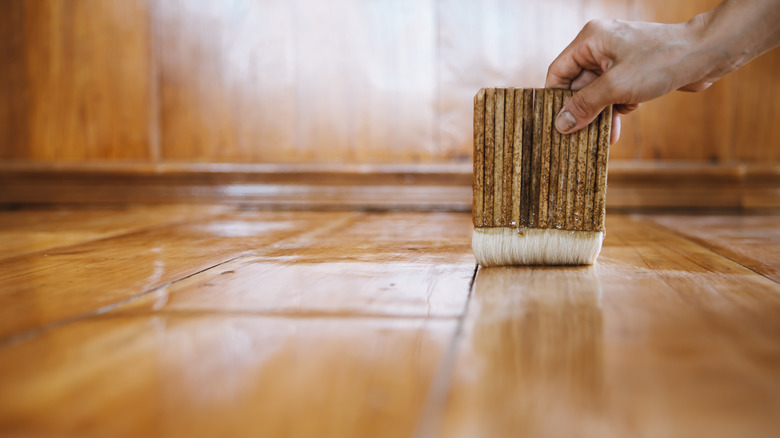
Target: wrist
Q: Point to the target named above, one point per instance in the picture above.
(713, 48)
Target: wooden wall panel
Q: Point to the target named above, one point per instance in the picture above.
(300, 81)
(367, 83)
(86, 69)
(755, 95)
(227, 79)
(13, 81)
(685, 126)
(345, 81)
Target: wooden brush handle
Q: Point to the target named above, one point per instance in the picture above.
(527, 174)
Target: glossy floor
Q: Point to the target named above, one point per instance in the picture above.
(212, 321)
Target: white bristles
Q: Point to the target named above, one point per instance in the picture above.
(503, 246)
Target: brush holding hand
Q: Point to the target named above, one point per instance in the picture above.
(625, 63)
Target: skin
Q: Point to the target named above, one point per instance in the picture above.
(623, 63)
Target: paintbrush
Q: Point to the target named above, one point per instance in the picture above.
(539, 196)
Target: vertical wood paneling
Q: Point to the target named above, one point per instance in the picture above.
(302, 81)
(87, 68)
(227, 79)
(367, 80)
(13, 81)
(263, 81)
(755, 96)
(685, 126)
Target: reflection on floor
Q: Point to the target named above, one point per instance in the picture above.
(203, 321)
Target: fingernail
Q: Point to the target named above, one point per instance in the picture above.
(565, 122)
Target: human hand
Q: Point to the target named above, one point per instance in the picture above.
(626, 63)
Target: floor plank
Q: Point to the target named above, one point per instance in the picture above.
(48, 287)
(380, 264)
(662, 337)
(751, 240)
(260, 323)
(176, 376)
(30, 230)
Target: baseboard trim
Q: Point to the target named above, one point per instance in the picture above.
(447, 187)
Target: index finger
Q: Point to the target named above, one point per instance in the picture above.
(563, 70)
(575, 58)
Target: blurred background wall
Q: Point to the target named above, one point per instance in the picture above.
(324, 82)
(366, 81)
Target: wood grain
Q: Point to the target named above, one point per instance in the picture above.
(229, 94)
(685, 126)
(42, 229)
(14, 110)
(367, 324)
(223, 375)
(479, 158)
(571, 183)
(544, 166)
(490, 150)
(582, 180)
(69, 97)
(517, 159)
(363, 266)
(754, 93)
(600, 201)
(536, 158)
(509, 157)
(130, 265)
(590, 189)
(632, 185)
(628, 346)
(555, 151)
(761, 186)
(210, 346)
(513, 163)
(563, 197)
(752, 241)
(280, 82)
(301, 187)
(498, 164)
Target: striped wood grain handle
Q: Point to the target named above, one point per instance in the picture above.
(526, 174)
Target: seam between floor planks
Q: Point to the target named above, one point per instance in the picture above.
(27, 335)
(32, 333)
(698, 243)
(431, 420)
(122, 233)
(266, 314)
(709, 247)
(432, 412)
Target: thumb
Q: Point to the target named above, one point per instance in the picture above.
(584, 106)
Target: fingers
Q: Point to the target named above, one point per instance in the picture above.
(626, 108)
(580, 56)
(696, 86)
(585, 78)
(585, 105)
(566, 67)
(562, 71)
(616, 125)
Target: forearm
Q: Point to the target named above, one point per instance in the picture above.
(736, 32)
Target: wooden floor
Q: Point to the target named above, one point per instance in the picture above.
(212, 321)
